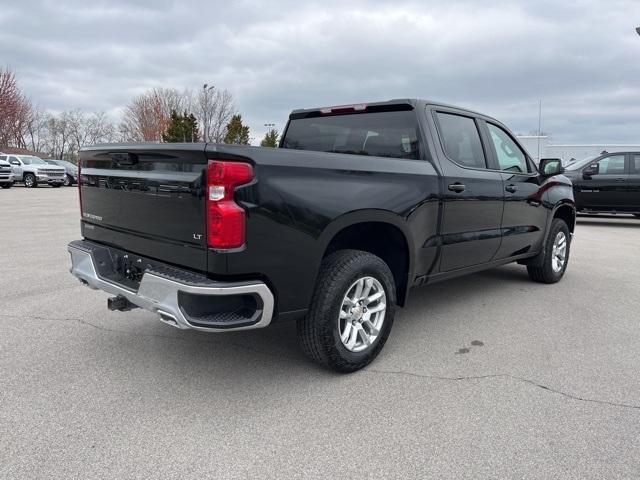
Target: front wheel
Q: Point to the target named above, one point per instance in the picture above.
(7, 185)
(30, 180)
(68, 180)
(554, 259)
(351, 312)
(56, 185)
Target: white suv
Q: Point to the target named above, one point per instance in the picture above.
(6, 174)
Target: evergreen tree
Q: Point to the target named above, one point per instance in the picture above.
(236, 132)
(270, 139)
(182, 128)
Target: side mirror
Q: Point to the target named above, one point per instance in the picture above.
(591, 170)
(15, 162)
(551, 166)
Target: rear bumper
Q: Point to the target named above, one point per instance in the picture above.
(179, 297)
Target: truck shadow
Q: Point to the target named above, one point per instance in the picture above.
(274, 352)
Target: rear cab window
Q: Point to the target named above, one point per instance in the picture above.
(392, 134)
(461, 140)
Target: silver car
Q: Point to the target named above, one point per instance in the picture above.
(70, 169)
(32, 171)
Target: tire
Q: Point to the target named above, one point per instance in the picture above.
(68, 181)
(56, 185)
(7, 185)
(319, 332)
(30, 180)
(637, 215)
(546, 270)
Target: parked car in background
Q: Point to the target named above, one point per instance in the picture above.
(359, 204)
(607, 183)
(70, 169)
(6, 173)
(33, 171)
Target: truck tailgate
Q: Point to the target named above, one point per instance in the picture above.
(147, 199)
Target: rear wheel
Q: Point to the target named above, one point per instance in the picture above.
(30, 180)
(552, 264)
(351, 312)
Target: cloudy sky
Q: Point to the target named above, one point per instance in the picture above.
(582, 57)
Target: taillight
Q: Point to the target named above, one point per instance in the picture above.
(80, 186)
(225, 218)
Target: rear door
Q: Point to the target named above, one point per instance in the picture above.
(524, 219)
(147, 199)
(473, 195)
(633, 182)
(607, 190)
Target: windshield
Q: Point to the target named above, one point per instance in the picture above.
(382, 134)
(31, 160)
(581, 163)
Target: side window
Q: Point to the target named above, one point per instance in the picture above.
(461, 140)
(510, 155)
(14, 161)
(612, 165)
(635, 164)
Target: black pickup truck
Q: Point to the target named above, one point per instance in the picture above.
(332, 229)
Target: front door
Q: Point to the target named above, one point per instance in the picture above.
(16, 166)
(473, 195)
(607, 190)
(524, 219)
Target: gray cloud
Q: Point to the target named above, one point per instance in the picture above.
(581, 58)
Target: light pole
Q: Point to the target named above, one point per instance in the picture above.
(206, 89)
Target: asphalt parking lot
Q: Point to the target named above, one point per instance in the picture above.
(488, 376)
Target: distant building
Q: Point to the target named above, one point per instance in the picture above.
(543, 145)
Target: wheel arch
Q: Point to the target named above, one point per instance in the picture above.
(379, 232)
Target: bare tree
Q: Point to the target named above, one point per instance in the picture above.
(214, 109)
(15, 110)
(87, 129)
(147, 117)
(59, 134)
(36, 134)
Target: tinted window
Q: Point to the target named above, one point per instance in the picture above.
(382, 134)
(510, 156)
(461, 140)
(635, 164)
(613, 165)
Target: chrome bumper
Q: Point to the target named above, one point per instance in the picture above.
(160, 294)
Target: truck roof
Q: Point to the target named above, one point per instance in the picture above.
(413, 102)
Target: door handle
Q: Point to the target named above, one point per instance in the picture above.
(511, 188)
(457, 187)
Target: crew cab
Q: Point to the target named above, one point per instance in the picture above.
(332, 229)
(32, 171)
(607, 183)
